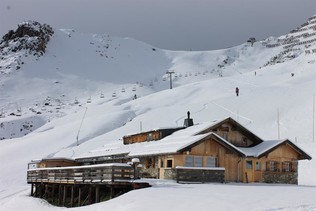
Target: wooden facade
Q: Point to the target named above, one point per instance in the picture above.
(57, 162)
(152, 135)
(225, 147)
(227, 144)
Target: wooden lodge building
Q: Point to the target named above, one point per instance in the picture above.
(220, 151)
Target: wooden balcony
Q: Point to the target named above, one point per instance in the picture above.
(101, 173)
(83, 185)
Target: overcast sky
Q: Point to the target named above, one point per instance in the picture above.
(167, 24)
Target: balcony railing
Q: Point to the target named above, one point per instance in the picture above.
(100, 173)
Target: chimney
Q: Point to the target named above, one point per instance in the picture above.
(188, 122)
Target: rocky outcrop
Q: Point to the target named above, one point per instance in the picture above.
(30, 36)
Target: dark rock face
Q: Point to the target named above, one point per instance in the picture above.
(31, 36)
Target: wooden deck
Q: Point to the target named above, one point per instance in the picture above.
(101, 173)
(83, 185)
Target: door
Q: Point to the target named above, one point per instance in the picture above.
(249, 165)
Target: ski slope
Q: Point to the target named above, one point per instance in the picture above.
(275, 102)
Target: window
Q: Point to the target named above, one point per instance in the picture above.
(286, 166)
(169, 163)
(248, 164)
(272, 166)
(189, 161)
(258, 166)
(211, 162)
(196, 161)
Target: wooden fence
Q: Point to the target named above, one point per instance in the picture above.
(101, 173)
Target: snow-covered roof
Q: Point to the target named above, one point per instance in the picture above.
(180, 140)
(170, 144)
(259, 149)
(266, 146)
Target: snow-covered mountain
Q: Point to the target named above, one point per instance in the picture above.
(75, 95)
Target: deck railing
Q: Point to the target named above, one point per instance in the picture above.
(100, 173)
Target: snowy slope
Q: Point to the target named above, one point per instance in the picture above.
(109, 71)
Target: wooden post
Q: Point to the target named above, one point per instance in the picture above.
(53, 192)
(59, 194)
(97, 194)
(36, 189)
(72, 196)
(32, 189)
(41, 190)
(79, 197)
(64, 195)
(111, 192)
(45, 192)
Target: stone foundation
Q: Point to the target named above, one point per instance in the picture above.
(280, 177)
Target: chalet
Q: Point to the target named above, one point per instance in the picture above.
(219, 151)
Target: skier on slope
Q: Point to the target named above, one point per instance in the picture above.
(237, 91)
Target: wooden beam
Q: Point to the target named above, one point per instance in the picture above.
(32, 189)
(97, 194)
(90, 195)
(72, 196)
(59, 194)
(64, 195)
(79, 197)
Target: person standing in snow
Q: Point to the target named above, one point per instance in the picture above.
(237, 91)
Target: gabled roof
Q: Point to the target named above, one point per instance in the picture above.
(177, 142)
(183, 140)
(238, 127)
(268, 146)
(170, 144)
(219, 140)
